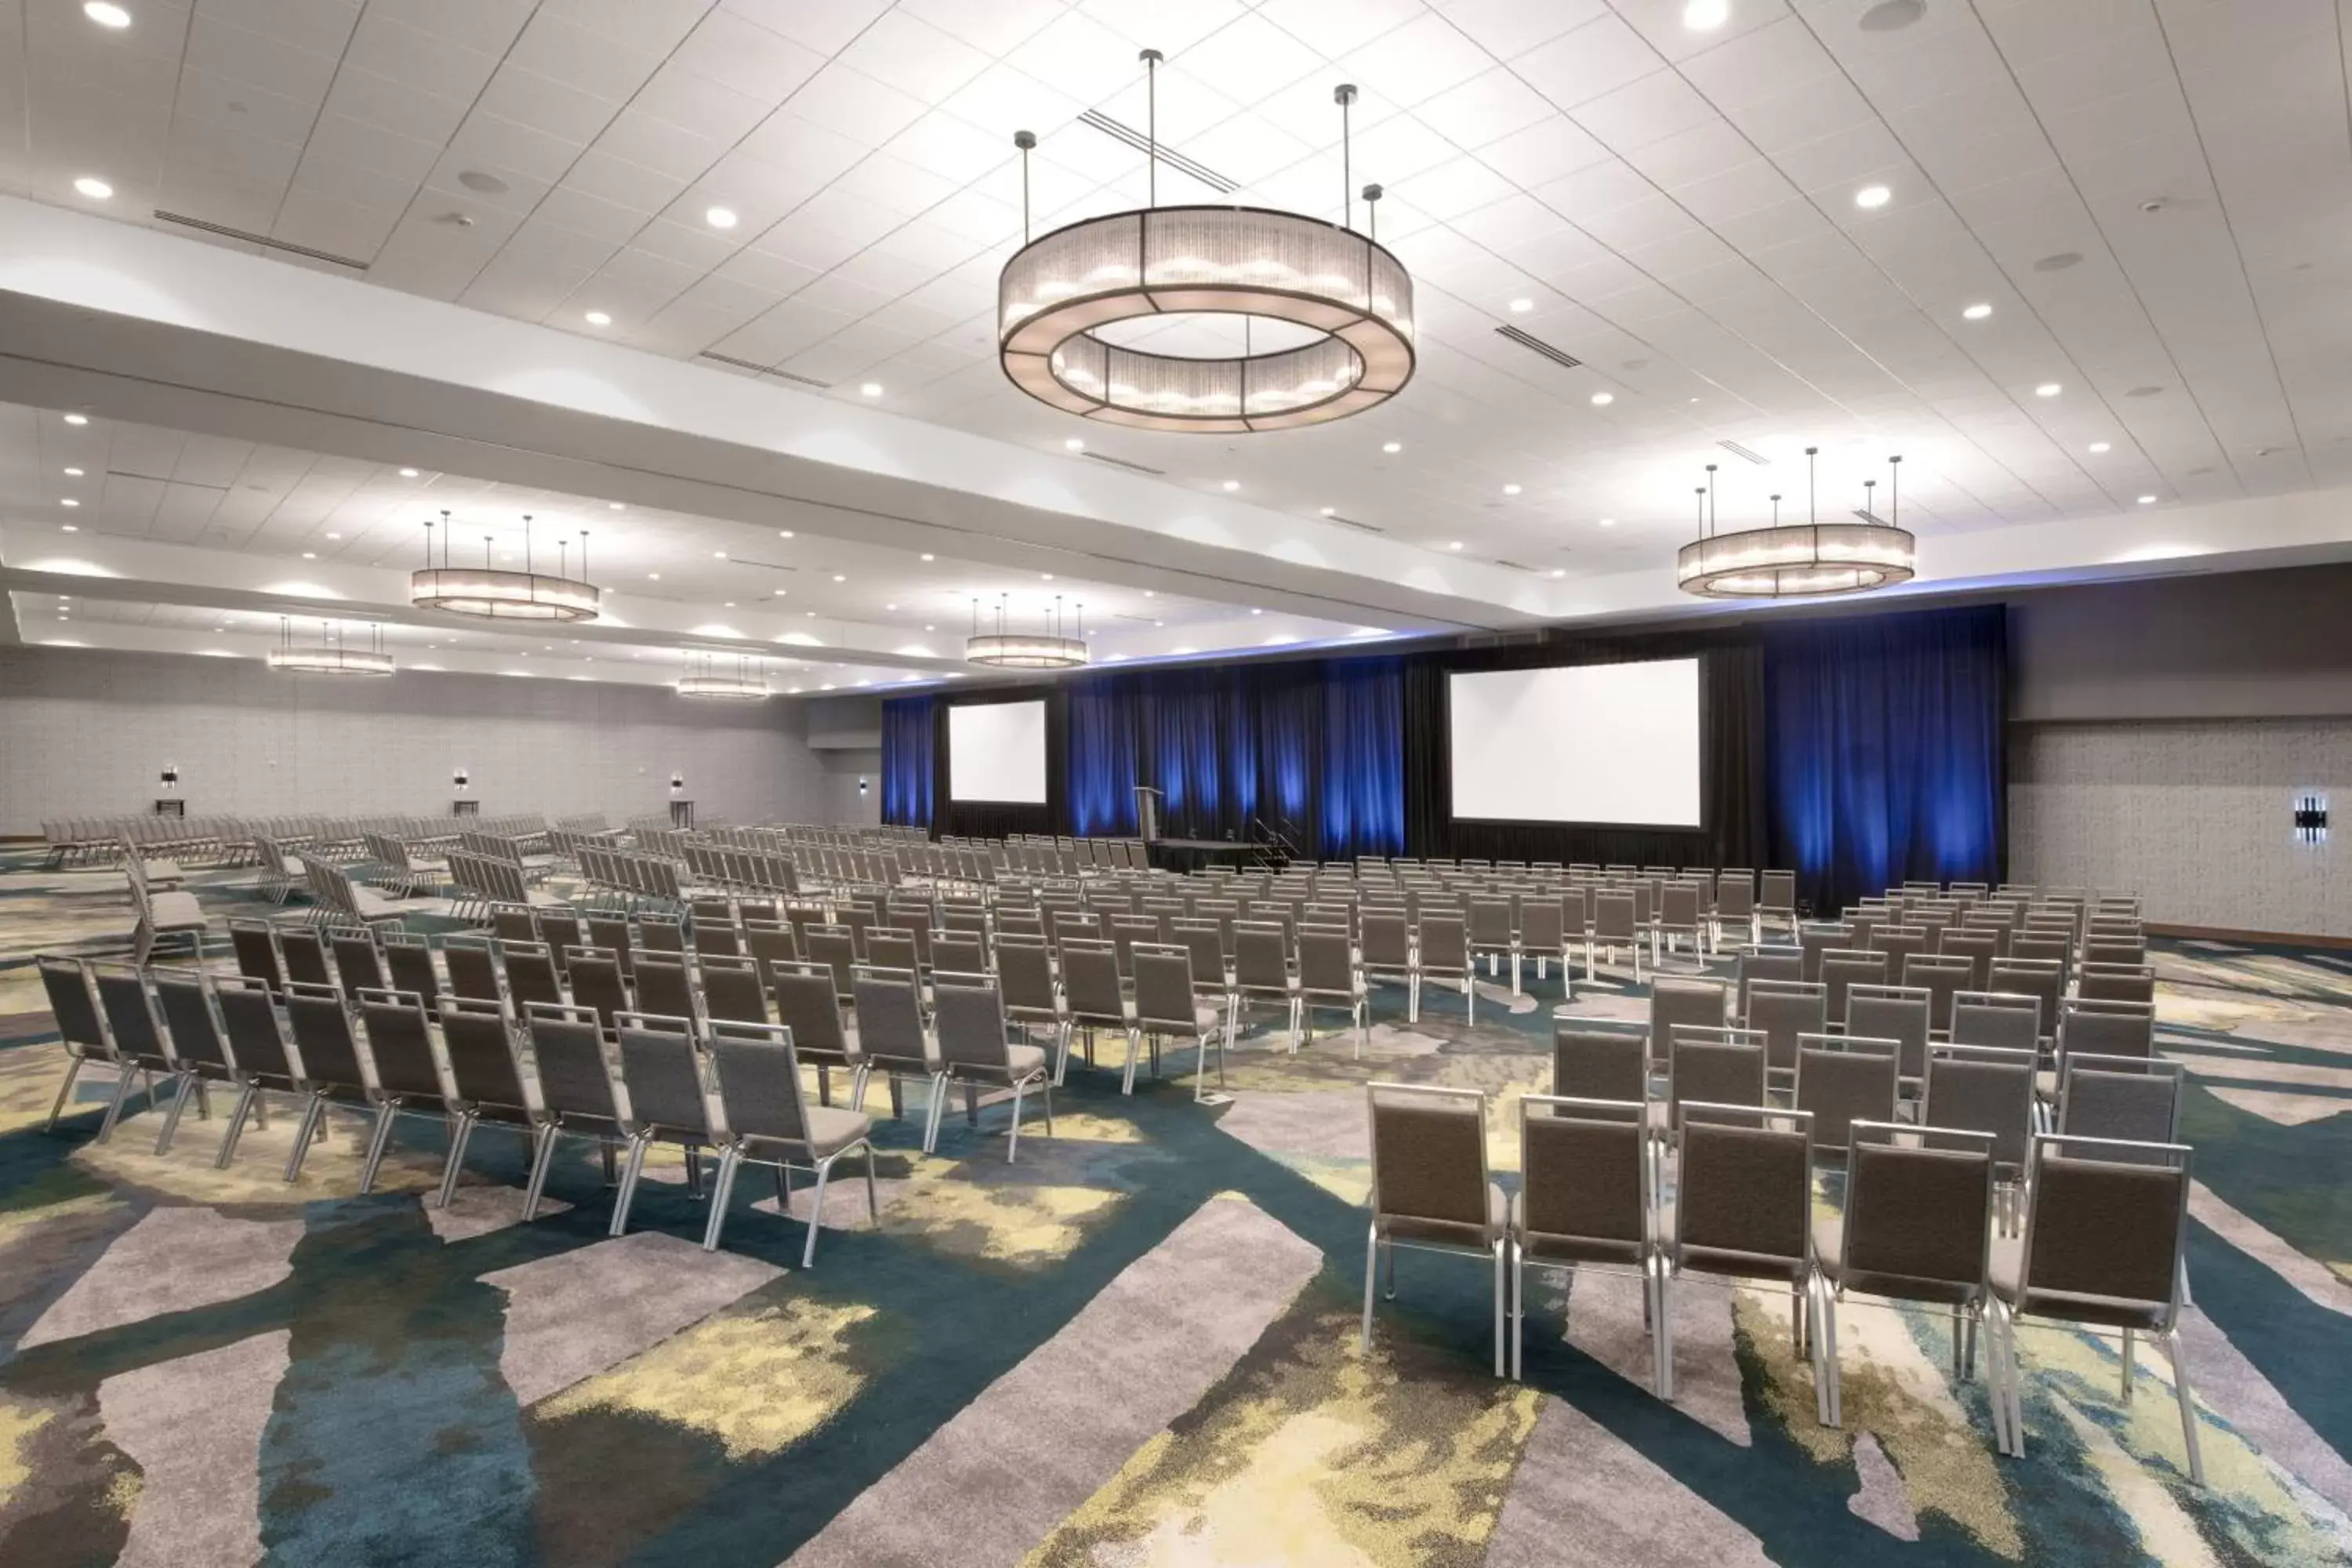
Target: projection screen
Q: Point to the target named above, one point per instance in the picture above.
(996, 751)
(1599, 743)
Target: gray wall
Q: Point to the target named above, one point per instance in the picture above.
(83, 733)
(2159, 731)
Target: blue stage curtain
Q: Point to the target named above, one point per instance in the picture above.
(907, 760)
(1311, 751)
(1884, 750)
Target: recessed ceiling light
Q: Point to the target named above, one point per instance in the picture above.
(653, 576)
(1707, 16)
(1604, 399)
(2147, 500)
(783, 534)
(1074, 445)
(1151, 593)
(1391, 447)
(1522, 306)
(70, 528)
(615, 506)
(1453, 545)
(838, 578)
(1232, 484)
(870, 389)
(721, 217)
(334, 536)
(928, 556)
(107, 15)
(408, 473)
(1871, 196)
(76, 418)
(73, 473)
(2048, 389)
(1977, 312)
(719, 555)
(1510, 490)
(1608, 522)
(731, 604)
(1330, 511)
(1256, 610)
(310, 555)
(599, 319)
(2097, 446)
(1559, 570)
(97, 190)
(68, 501)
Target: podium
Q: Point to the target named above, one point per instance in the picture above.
(1147, 813)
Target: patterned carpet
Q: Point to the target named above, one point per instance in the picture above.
(1134, 1347)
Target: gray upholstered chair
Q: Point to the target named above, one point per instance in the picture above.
(662, 1077)
(1766, 963)
(1168, 1007)
(1262, 972)
(976, 1051)
(1776, 898)
(1897, 1013)
(597, 983)
(330, 1062)
(1996, 1018)
(1327, 977)
(1616, 922)
(1742, 1208)
(473, 969)
(2116, 983)
(1842, 1079)
(198, 1047)
(1597, 1064)
(1987, 1089)
(1681, 999)
(486, 1074)
(407, 1075)
(1842, 969)
(1095, 998)
(1431, 1189)
(1781, 1011)
(665, 985)
(767, 1119)
(2133, 1099)
(141, 1048)
(576, 1090)
(2106, 1224)
(1585, 1199)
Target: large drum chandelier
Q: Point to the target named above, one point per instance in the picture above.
(501, 594)
(1806, 560)
(330, 657)
(1046, 648)
(704, 680)
(1350, 296)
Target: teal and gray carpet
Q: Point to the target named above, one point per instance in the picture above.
(1134, 1347)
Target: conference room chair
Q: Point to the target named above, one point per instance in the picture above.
(1841, 969)
(1584, 1203)
(558, 929)
(660, 934)
(1735, 901)
(1328, 977)
(1755, 963)
(808, 1004)
(731, 988)
(1679, 916)
(329, 1060)
(2113, 952)
(1711, 1064)
(2044, 979)
(2105, 1237)
(665, 987)
(407, 1076)
(530, 974)
(200, 1055)
(1817, 938)
(255, 944)
(1599, 1064)
(486, 1082)
(257, 1044)
(1682, 999)
(1616, 924)
(1913, 1228)
(1991, 923)
(958, 953)
(2129, 1099)
(1093, 998)
(663, 1079)
(1776, 900)
(1842, 1079)
(575, 1091)
(143, 1050)
(1897, 1013)
(1262, 972)
(1019, 922)
(888, 947)
(976, 1051)
(1494, 935)
(1168, 1010)
(1123, 932)
(305, 956)
(1430, 1188)
(473, 969)
(1781, 1011)
(1742, 1210)
(358, 962)
(1442, 952)
(2107, 1028)
(2116, 983)
(1900, 944)
(2042, 947)
(1942, 977)
(835, 946)
(597, 985)
(1033, 996)
(1996, 1018)
(1864, 922)
(510, 923)
(1986, 1090)
(1980, 948)
(767, 1119)
(613, 933)
(1386, 950)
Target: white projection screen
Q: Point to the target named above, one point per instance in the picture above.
(1598, 743)
(996, 751)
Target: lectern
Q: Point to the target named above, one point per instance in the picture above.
(1147, 813)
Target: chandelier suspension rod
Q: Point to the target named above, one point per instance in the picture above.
(1344, 95)
(1151, 58)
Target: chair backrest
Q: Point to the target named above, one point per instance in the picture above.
(890, 1017)
(1678, 906)
(1980, 948)
(597, 983)
(1326, 964)
(1714, 1065)
(1429, 1163)
(1897, 1013)
(1917, 1213)
(256, 1033)
(2107, 1028)
(531, 973)
(1090, 982)
(2131, 1098)
(567, 1050)
(1996, 1018)
(1261, 956)
(2104, 1225)
(188, 1014)
(484, 1065)
(660, 935)
(1543, 924)
(256, 946)
(323, 1038)
(662, 1071)
(1024, 969)
(400, 1042)
(1597, 1064)
(1841, 969)
(1734, 894)
(731, 988)
(758, 1077)
(970, 1022)
(1767, 964)
(1845, 1079)
(1780, 1010)
(473, 969)
(2115, 982)
(1163, 987)
(129, 1014)
(1778, 894)
(1444, 944)
(2041, 978)
(665, 988)
(1982, 1089)
(807, 1004)
(1815, 940)
(888, 947)
(1387, 941)
(357, 961)
(1942, 977)
(1491, 922)
(1584, 1185)
(959, 951)
(1674, 999)
(558, 930)
(513, 922)
(1743, 1202)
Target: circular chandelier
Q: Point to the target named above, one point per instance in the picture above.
(330, 657)
(1350, 296)
(499, 595)
(711, 684)
(1044, 649)
(1799, 560)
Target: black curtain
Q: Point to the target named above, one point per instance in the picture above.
(996, 819)
(1732, 757)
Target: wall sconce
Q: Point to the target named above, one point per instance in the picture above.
(2310, 817)
(170, 775)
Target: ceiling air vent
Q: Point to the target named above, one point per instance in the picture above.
(243, 237)
(1120, 130)
(1737, 450)
(1529, 341)
(758, 369)
(1351, 523)
(1123, 463)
